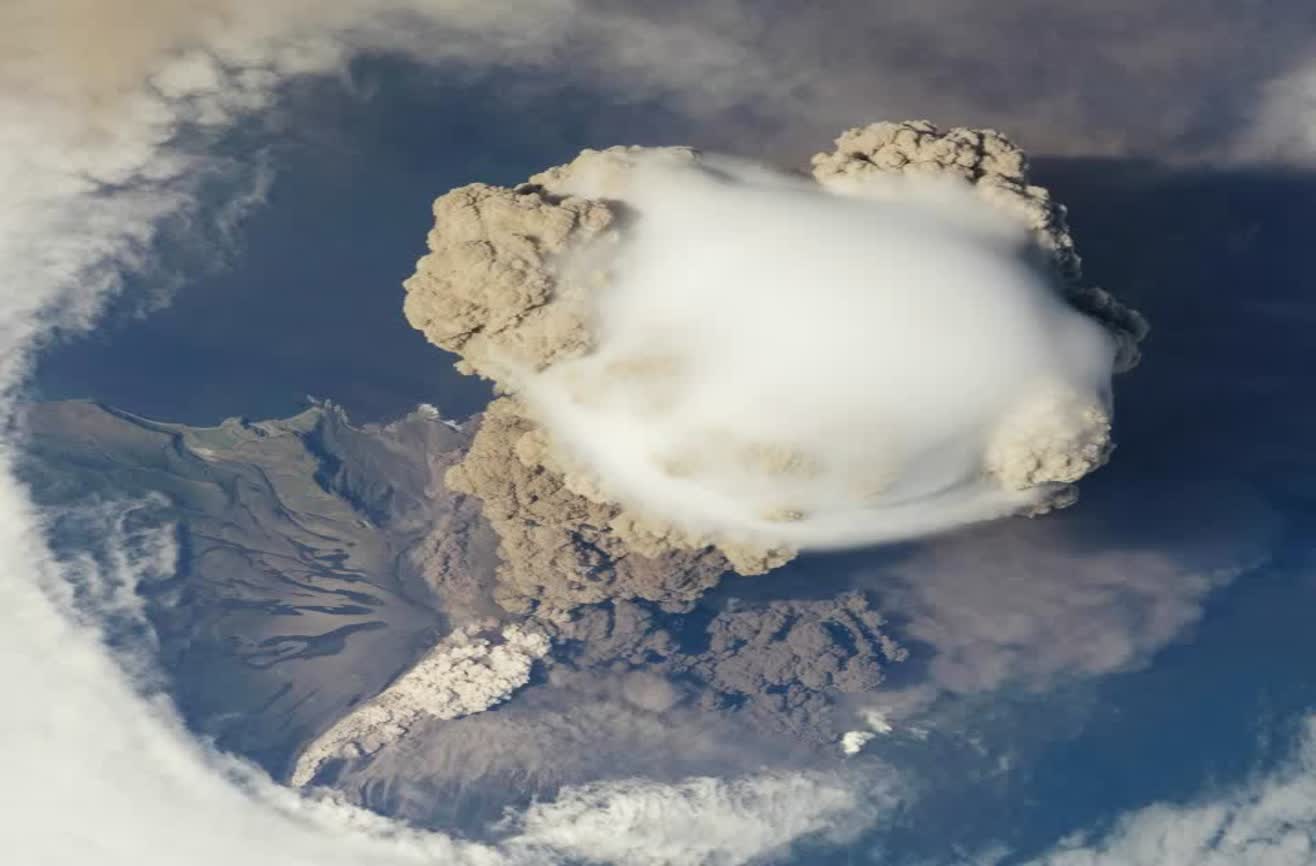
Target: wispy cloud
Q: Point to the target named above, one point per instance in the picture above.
(702, 822)
(1283, 129)
(1269, 821)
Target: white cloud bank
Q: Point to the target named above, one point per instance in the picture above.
(700, 822)
(1268, 822)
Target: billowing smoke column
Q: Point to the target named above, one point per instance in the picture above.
(712, 364)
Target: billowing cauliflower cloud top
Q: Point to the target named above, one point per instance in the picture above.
(998, 170)
(532, 287)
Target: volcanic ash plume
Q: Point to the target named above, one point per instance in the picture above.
(468, 672)
(711, 364)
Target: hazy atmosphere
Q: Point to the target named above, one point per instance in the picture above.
(716, 433)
